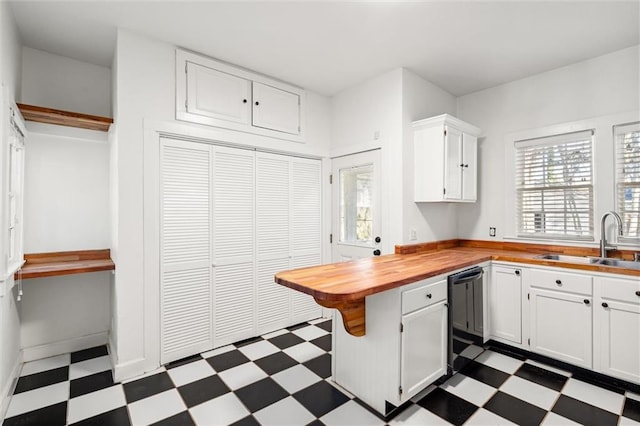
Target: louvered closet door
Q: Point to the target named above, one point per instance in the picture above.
(272, 240)
(306, 228)
(233, 244)
(185, 281)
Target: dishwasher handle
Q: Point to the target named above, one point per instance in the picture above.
(467, 276)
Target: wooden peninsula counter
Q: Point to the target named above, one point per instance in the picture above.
(345, 285)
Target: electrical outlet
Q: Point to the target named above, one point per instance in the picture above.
(492, 232)
(413, 235)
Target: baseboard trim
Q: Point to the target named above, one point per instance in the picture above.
(581, 373)
(128, 370)
(64, 346)
(10, 386)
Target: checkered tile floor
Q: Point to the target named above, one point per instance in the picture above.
(282, 379)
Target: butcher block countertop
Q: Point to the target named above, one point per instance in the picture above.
(344, 285)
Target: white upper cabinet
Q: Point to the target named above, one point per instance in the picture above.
(217, 94)
(445, 160)
(276, 109)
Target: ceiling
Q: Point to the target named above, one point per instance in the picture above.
(324, 46)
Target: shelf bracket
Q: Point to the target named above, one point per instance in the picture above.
(352, 312)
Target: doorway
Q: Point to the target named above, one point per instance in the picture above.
(355, 201)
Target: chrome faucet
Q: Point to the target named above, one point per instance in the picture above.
(604, 246)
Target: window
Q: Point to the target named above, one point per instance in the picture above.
(627, 140)
(356, 221)
(554, 186)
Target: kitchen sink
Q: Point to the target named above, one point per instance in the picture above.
(630, 264)
(605, 261)
(568, 259)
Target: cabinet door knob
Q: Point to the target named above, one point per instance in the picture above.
(244, 101)
(466, 165)
(376, 252)
(638, 293)
(257, 103)
(429, 296)
(586, 301)
(517, 272)
(558, 282)
(605, 305)
(461, 165)
(377, 239)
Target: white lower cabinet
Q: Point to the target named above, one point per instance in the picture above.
(404, 349)
(561, 326)
(617, 327)
(424, 347)
(588, 320)
(505, 304)
(560, 315)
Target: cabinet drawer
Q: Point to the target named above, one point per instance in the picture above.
(563, 281)
(619, 289)
(423, 296)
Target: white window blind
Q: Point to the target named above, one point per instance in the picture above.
(627, 140)
(554, 186)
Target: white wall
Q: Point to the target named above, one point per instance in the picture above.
(387, 104)
(54, 81)
(145, 98)
(357, 114)
(431, 221)
(64, 314)
(66, 204)
(10, 65)
(602, 86)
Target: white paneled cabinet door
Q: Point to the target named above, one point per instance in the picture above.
(617, 328)
(272, 240)
(505, 304)
(469, 167)
(561, 326)
(233, 244)
(276, 109)
(424, 348)
(452, 165)
(185, 266)
(218, 95)
(306, 228)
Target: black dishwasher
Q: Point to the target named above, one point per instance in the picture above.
(465, 334)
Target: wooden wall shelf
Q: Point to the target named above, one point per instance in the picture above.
(39, 265)
(65, 118)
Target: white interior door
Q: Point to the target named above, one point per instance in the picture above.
(185, 254)
(356, 206)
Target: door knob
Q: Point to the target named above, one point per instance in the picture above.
(377, 239)
(376, 252)
(586, 301)
(605, 305)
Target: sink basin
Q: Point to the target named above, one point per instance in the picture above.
(568, 259)
(617, 262)
(605, 261)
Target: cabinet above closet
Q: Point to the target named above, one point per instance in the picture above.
(217, 94)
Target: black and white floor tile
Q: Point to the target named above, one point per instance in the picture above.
(283, 378)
